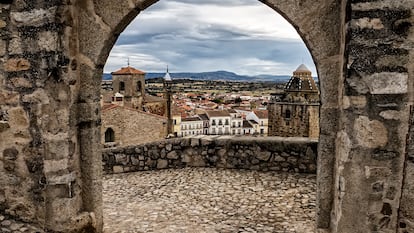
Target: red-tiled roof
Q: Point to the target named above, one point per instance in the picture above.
(128, 70)
(262, 114)
(218, 113)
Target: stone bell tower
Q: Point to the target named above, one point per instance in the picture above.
(130, 83)
(295, 113)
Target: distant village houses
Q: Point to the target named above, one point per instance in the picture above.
(132, 116)
(224, 122)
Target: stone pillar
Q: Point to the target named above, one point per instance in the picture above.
(371, 144)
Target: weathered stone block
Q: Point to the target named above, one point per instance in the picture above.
(4, 126)
(122, 159)
(51, 166)
(57, 149)
(134, 160)
(370, 134)
(279, 158)
(172, 155)
(354, 102)
(2, 47)
(17, 64)
(8, 97)
(20, 82)
(195, 142)
(369, 23)
(387, 83)
(118, 169)
(391, 115)
(3, 24)
(263, 155)
(36, 17)
(162, 163)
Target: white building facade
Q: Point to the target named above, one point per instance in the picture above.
(191, 126)
(260, 121)
(219, 122)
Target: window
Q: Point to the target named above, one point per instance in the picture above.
(214, 122)
(109, 135)
(227, 122)
(139, 85)
(220, 122)
(261, 131)
(287, 114)
(261, 123)
(175, 122)
(234, 124)
(239, 124)
(121, 86)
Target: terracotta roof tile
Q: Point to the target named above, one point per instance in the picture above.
(218, 113)
(128, 70)
(262, 114)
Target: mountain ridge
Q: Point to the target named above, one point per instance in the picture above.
(220, 75)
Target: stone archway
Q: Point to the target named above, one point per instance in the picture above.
(309, 18)
(53, 54)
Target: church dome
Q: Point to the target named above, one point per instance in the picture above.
(301, 81)
(302, 68)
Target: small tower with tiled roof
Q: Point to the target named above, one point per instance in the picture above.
(130, 82)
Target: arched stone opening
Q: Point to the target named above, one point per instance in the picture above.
(310, 20)
(109, 135)
(54, 51)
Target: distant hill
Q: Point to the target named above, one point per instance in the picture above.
(215, 75)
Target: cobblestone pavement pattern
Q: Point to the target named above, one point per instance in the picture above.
(10, 225)
(197, 200)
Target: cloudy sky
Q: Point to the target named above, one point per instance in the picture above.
(241, 36)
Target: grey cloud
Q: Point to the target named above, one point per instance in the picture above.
(190, 43)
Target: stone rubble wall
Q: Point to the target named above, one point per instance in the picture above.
(252, 153)
(372, 137)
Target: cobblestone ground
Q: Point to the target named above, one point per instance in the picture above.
(10, 225)
(197, 200)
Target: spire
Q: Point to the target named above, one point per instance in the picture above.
(167, 76)
(128, 61)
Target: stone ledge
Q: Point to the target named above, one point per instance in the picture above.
(292, 154)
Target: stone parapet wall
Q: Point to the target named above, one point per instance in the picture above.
(253, 153)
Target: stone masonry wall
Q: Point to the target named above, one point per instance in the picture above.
(270, 153)
(370, 168)
(132, 126)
